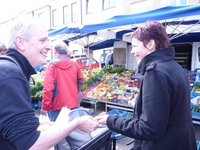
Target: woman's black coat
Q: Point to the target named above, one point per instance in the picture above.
(162, 116)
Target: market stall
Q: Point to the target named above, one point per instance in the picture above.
(119, 91)
(115, 88)
(194, 80)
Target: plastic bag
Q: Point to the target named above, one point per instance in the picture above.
(43, 119)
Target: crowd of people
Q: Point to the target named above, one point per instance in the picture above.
(162, 117)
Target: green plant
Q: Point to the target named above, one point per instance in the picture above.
(36, 87)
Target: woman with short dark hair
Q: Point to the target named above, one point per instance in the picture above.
(162, 116)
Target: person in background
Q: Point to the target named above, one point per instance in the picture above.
(162, 116)
(62, 81)
(3, 49)
(19, 126)
(79, 84)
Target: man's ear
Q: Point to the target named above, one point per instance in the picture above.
(20, 43)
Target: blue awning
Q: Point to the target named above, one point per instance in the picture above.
(182, 25)
(165, 14)
(63, 30)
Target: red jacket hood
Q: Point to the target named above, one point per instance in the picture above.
(64, 64)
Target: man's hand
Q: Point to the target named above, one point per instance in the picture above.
(87, 123)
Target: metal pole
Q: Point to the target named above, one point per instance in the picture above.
(87, 42)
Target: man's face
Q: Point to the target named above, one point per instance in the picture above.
(36, 49)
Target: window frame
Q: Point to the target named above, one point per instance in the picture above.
(54, 18)
(74, 12)
(88, 7)
(109, 4)
(65, 14)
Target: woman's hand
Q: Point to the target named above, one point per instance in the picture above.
(102, 118)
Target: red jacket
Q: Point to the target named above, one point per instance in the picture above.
(62, 79)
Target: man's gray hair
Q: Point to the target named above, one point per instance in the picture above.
(22, 27)
(61, 48)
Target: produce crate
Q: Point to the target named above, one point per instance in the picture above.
(195, 114)
(98, 91)
(122, 101)
(117, 112)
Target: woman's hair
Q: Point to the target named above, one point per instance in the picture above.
(23, 28)
(152, 30)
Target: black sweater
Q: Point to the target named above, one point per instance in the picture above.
(18, 123)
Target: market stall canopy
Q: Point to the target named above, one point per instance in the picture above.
(178, 20)
(74, 35)
(102, 45)
(182, 24)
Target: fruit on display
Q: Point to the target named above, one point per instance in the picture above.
(115, 85)
(196, 87)
(97, 91)
(115, 88)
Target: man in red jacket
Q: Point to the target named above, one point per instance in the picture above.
(62, 81)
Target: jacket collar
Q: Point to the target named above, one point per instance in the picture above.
(24, 64)
(155, 57)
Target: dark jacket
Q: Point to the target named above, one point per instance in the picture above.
(162, 119)
(18, 123)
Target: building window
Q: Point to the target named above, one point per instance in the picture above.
(41, 15)
(54, 18)
(165, 3)
(142, 6)
(74, 10)
(108, 4)
(65, 15)
(88, 7)
(182, 2)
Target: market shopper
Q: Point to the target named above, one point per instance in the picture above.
(62, 81)
(162, 116)
(3, 49)
(28, 46)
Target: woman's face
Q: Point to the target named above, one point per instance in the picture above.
(139, 50)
